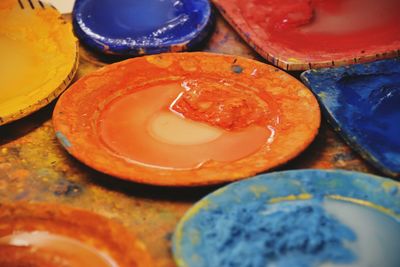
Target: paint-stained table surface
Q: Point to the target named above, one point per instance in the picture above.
(34, 166)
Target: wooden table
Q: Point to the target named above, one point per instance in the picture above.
(34, 166)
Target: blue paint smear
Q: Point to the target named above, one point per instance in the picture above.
(285, 235)
(130, 27)
(63, 140)
(363, 102)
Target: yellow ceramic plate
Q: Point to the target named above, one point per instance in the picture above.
(39, 57)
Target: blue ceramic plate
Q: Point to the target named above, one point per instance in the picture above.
(136, 27)
(362, 102)
(301, 218)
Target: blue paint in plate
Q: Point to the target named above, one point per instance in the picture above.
(304, 218)
(362, 102)
(135, 27)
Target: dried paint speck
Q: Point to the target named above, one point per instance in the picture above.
(237, 69)
(63, 139)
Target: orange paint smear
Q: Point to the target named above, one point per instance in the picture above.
(125, 122)
(223, 106)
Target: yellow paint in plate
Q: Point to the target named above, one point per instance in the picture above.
(39, 57)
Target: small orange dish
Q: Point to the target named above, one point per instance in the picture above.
(59, 236)
(186, 119)
(39, 57)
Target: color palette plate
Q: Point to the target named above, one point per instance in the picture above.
(130, 28)
(305, 34)
(304, 218)
(186, 119)
(54, 235)
(362, 104)
(39, 57)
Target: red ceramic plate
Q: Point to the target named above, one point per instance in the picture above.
(58, 236)
(303, 34)
(186, 119)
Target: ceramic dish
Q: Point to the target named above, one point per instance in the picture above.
(130, 28)
(54, 235)
(39, 59)
(362, 104)
(303, 218)
(186, 119)
(305, 34)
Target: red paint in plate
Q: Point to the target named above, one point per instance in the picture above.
(297, 35)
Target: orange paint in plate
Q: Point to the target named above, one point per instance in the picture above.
(143, 127)
(186, 119)
(58, 247)
(57, 236)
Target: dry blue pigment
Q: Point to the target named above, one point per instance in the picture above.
(288, 234)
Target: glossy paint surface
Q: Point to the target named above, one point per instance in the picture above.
(60, 247)
(128, 27)
(251, 117)
(287, 218)
(34, 234)
(362, 102)
(36, 65)
(316, 33)
(143, 128)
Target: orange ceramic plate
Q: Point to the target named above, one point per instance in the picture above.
(56, 236)
(39, 57)
(186, 119)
